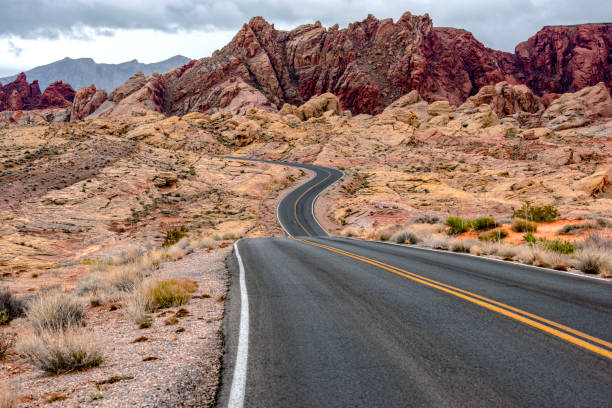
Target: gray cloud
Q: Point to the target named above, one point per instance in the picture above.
(498, 24)
(15, 50)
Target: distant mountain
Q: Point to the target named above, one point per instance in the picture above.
(85, 71)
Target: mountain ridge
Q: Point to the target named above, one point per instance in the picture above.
(82, 72)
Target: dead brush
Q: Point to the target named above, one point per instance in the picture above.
(55, 311)
(61, 352)
(6, 342)
(7, 396)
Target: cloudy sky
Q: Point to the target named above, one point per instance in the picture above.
(36, 32)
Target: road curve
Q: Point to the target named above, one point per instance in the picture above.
(336, 322)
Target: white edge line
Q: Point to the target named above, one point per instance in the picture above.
(485, 258)
(237, 391)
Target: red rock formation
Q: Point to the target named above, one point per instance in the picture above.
(86, 101)
(373, 62)
(57, 95)
(21, 95)
(563, 59)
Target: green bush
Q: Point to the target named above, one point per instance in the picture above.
(494, 235)
(558, 245)
(483, 223)
(457, 225)
(174, 235)
(544, 213)
(530, 238)
(524, 226)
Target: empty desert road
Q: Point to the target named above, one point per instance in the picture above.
(317, 321)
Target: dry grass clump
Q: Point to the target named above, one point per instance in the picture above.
(437, 242)
(462, 245)
(205, 242)
(520, 225)
(137, 310)
(475, 250)
(55, 311)
(7, 399)
(406, 236)
(351, 232)
(593, 261)
(10, 306)
(506, 251)
(62, 352)
(496, 234)
(168, 292)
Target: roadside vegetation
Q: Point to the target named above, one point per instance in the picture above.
(485, 236)
(57, 341)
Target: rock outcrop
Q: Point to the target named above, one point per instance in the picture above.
(563, 59)
(21, 95)
(506, 99)
(86, 101)
(372, 63)
(577, 109)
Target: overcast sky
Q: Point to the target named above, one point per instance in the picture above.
(37, 32)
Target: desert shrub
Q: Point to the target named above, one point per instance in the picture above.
(137, 310)
(475, 250)
(530, 238)
(592, 261)
(174, 235)
(437, 242)
(461, 245)
(558, 245)
(55, 311)
(93, 284)
(483, 223)
(168, 292)
(493, 235)
(384, 236)
(520, 225)
(175, 252)
(457, 225)
(6, 342)
(62, 352)
(350, 232)
(544, 213)
(575, 229)
(402, 237)
(426, 219)
(10, 306)
(207, 242)
(506, 251)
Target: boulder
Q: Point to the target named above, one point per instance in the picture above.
(165, 179)
(439, 108)
(580, 108)
(505, 99)
(318, 105)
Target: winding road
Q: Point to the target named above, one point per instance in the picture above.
(320, 321)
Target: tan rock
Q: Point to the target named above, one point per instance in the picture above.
(438, 108)
(577, 109)
(409, 99)
(595, 184)
(317, 105)
(165, 179)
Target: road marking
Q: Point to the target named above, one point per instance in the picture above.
(506, 310)
(300, 197)
(236, 398)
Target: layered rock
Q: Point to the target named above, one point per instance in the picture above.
(86, 101)
(57, 95)
(506, 99)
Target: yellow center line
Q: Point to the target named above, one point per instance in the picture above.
(506, 310)
(302, 195)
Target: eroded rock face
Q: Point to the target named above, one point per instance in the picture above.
(565, 58)
(57, 95)
(580, 108)
(372, 63)
(86, 101)
(506, 99)
(21, 95)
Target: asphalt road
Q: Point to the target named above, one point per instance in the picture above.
(335, 322)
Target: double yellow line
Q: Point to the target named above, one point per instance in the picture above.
(576, 337)
(301, 196)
